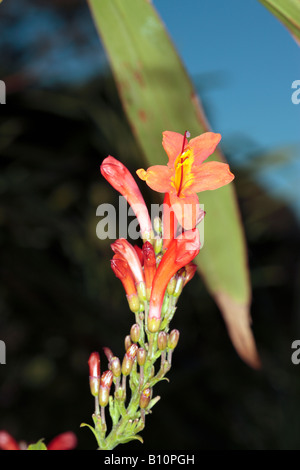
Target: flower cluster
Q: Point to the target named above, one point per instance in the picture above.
(153, 277)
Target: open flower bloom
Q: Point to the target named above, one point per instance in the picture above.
(121, 179)
(181, 251)
(185, 175)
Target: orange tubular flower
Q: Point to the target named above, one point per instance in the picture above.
(126, 251)
(185, 175)
(149, 266)
(181, 251)
(169, 222)
(122, 271)
(121, 179)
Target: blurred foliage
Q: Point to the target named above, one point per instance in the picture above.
(288, 12)
(60, 300)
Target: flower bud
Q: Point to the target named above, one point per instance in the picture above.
(153, 324)
(135, 333)
(115, 366)
(141, 356)
(180, 282)
(133, 302)
(103, 396)
(145, 398)
(162, 340)
(157, 225)
(127, 342)
(190, 269)
(127, 365)
(106, 379)
(141, 290)
(171, 285)
(94, 369)
(173, 339)
(105, 384)
(129, 359)
(108, 353)
(132, 351)
(158, 244)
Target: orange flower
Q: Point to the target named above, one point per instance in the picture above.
(181, 251)
(185, 175)
(121, 179)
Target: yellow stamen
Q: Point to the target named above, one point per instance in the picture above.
(183, 166)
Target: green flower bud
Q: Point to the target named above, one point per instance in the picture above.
(173, 339)
(180, 282)
(127, 365)
(135, 333)
(171, 285)
(115, 366)
(162, 340)
(141, 356)
(158, 244)
(127, 342)
(153, 324)
(133, 302)
(157, 225)
(103, 396)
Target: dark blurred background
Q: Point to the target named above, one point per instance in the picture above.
(59, 300)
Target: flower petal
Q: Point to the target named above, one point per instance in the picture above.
(157, 177)
(172, 143)
(187, 210)
(203, 146)
(211, 175)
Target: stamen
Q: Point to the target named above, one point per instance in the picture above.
(182, 160)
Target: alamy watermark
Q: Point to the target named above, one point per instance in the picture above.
(124, 224)
(296, 354)
(2, 352)
(2, 92)
(296, 94)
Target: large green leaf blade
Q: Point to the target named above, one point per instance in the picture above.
(288, 12)
(157, 95)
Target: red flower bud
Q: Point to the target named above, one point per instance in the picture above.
(64, 441)
(131, 351)
(106, 379)
(145, 398)
(7, 442)
(94, 366)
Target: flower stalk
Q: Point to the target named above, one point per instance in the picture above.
(153, 277)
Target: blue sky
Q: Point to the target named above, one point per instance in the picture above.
(243, 62)
(253, 54)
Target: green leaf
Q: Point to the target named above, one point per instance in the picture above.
(37, 446)
(288, 12)
(157, 95)
(137, 437)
